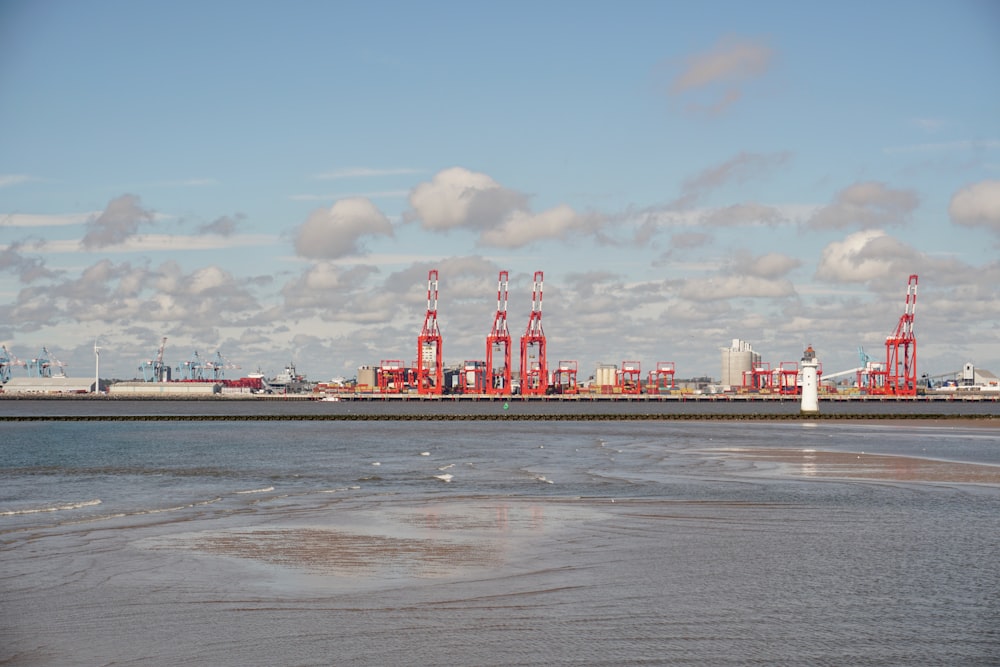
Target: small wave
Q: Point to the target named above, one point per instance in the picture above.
(446, 477)
(53, 508)
(264, 490)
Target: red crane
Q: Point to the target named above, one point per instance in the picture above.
(901, 349)
(498, 341)
(534, 372)
(430, 365)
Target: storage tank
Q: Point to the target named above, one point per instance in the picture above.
(366, 378)
(606, 375)
(737, 359)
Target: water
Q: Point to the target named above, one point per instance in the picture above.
(555, 543)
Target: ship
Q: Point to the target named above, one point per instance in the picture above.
(287, 382)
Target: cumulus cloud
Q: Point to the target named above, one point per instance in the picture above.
(28, 269)
(735, 286)
(457, 198)
(337, 231)
(866, 205)
(723, 70)
(521, 227)
(748, 213)
(977, 205)
(770, 266)
(866, 256)
(118, 222)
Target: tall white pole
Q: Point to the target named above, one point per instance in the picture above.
(97, 368)
(810, 389)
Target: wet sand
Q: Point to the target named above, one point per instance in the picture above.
(859, 465)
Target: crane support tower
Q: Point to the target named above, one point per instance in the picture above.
(901, 349)
(630, 377)
(430, 364)
(154, 370)
(661, 380)
(498, 366)
(534, 371)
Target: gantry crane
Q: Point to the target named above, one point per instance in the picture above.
(430, 368)
(8, 361)
(534, 371)
(901, 349)
(498, 342)
(153, 370)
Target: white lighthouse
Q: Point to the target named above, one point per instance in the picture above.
(810, 389)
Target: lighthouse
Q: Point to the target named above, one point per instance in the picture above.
(810, 390)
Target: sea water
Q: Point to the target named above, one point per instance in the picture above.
(493, 543)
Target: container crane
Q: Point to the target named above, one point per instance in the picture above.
(534, 371)
(901, 349)
(154, 370)
(430, 364)
(219, 365)
(498, 342)
(41, 366)
(193, 369)
(7, 361)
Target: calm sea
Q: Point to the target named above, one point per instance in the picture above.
(489, 543)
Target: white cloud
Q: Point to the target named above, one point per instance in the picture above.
(8, 180)
(724, 70)
(337, 231)
(457, 197)
(977, 205)
(118, 222)
(771, 265)
(521, 227)
(866, 205)
(865, 256)
(735, 286)
(42, 220)
(167, 243)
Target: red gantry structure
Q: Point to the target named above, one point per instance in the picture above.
(564, 378)
(901, 349)
(430, 364)
(661, 380)
(630, 377)
(498, 370)
(534, 371)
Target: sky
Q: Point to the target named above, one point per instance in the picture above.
(272, 182)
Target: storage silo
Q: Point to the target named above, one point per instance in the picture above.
(737, 359)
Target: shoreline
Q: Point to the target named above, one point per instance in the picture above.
(988, 420)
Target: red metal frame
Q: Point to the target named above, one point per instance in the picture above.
(430, 364)
(664, 371)
(534, 370)
(498, 341)
(473, 378)
(564, 380)
(901, 349)
(788, 378)
(630, 377)
(391, 376)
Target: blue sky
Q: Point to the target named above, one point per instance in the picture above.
(273, 181)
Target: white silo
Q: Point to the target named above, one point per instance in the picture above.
(737, 359)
